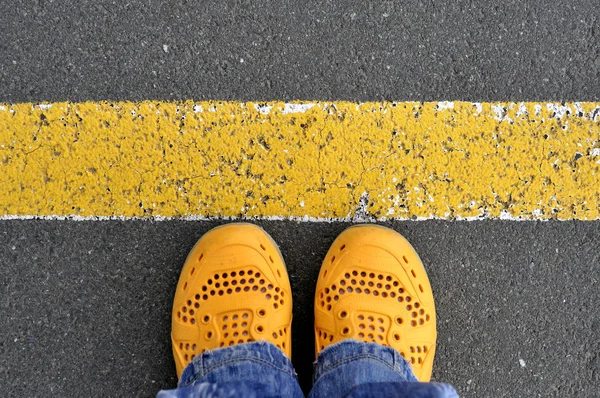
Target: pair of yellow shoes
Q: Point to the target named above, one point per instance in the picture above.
(372, 287)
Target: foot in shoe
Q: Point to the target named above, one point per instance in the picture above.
(373, 287)
(233, 289)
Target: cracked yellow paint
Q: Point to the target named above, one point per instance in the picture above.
(328, 160)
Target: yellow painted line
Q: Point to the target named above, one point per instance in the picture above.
(317, 160)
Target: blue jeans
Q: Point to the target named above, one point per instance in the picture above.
(346, 369)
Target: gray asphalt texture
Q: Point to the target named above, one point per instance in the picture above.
(356, 50)
(85, 306)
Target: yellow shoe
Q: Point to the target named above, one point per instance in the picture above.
(373, 287)
(233, 289)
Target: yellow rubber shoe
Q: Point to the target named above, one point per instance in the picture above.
(233, 289)
(373, 287)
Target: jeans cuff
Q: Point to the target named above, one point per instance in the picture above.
(351, 350)
(259, 352)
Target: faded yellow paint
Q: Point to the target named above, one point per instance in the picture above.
(210, 159)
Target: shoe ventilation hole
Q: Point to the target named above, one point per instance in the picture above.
(189, 350)
(417, 354)
(370, 283)
(325, 337)
(235, 327)
(372, 327)
(279, 338)
(227, 283)
(342, 247)
(368, 327)
(405, 259)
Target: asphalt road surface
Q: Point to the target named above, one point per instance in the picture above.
(85, 305)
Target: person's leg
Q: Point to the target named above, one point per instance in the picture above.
(375, 331)
(256, 369)
(354, 368)
(232, 315)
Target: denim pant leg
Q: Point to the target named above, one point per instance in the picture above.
(257, 369)
(355, 369)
